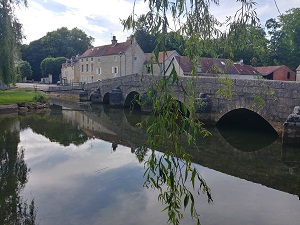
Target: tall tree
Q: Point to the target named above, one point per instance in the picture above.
(10, 38)
(59, 43)
(52, 66)
(246, 42)
(25, 70)
(284, 34)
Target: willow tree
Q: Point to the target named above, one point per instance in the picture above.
(171, 126)
(10, 38)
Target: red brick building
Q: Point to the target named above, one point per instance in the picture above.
(277, 73)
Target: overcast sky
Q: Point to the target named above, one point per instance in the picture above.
(101, 18)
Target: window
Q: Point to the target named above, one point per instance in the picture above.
(135, 58)
(92, 59)
(99, 60)
(115, 58)
(81, 68)
(99, 71)
(114, 69)
(148, 69)
(92, 67)
(87, 59)
(288, 75)
(81, 60)
(87, 67)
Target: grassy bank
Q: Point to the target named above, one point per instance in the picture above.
(14, 96)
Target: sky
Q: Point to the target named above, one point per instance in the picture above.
(101, 18)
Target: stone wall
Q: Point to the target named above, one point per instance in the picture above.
(273, 100)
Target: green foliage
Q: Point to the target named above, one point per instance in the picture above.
(171, 126)
(59, 43)
(25, 70)
(42, 98)
(284, 34)
(259, 100)
(226, 85)
(52, 66)
(10, 39)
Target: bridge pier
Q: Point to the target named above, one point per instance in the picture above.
(116, 97)
(291, 128)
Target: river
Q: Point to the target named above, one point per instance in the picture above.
(78, 165)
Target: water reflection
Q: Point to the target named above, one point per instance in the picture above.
(13, 176)
(98, 180)
(265, 165)
(247, 140)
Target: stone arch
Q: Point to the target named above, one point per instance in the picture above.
(243, 117)
(106, 98)
(130, 100)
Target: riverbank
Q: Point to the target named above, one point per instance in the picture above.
(16, 101)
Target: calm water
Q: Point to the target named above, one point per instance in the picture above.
(79, 168)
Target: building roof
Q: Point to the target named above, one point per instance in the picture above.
(246, 69)
(161, 56)
(105, 50)
(266, 70)
(212, 66)
(298, 68)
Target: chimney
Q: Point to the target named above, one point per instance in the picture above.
(114, 41)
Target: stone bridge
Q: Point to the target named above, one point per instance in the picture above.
(272, 100)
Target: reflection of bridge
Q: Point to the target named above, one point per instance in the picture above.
(276, 162)
(272, 100)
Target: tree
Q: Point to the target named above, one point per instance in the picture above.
(52, 66)
(60, 43)
(10, 39)
(25, 70)
(171, 124)
(284, 45)
(246, 42)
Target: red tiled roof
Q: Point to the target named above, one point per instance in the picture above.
(246, 69)
(212, 66)
(107, 50)
(184, 63)
(266, 70)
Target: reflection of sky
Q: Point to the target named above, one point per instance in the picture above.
(90, 184)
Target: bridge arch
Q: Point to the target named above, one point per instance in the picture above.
(106, 98)
(130, 100)
(244, 118)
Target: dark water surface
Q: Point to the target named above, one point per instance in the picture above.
(79, 167)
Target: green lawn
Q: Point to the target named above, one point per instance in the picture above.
(14, 96)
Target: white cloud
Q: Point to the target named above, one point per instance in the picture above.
(101, 18)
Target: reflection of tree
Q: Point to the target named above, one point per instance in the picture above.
(13, 177)
(55, 129)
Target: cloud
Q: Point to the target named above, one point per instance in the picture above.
(101, 19)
